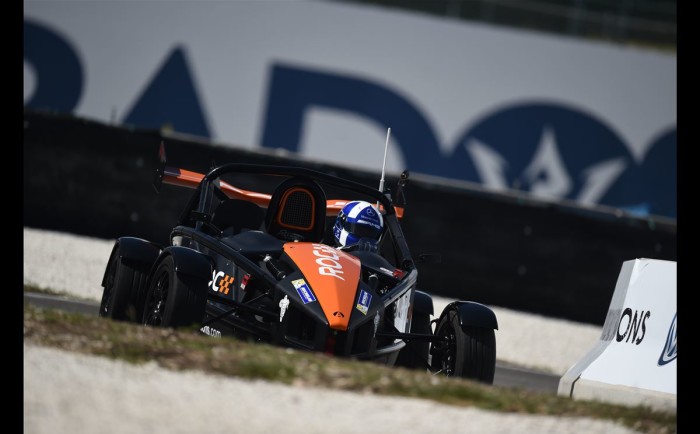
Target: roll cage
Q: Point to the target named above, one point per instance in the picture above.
(198, 212)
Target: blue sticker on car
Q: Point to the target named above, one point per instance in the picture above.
(307, 296)
(363, 301)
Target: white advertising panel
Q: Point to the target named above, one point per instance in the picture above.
(560, 118)
(636, 357)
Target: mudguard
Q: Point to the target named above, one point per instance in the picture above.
(134, 249)
(472, 314)
(189, 262)
(422, 302)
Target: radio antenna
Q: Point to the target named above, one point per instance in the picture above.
(386, 145)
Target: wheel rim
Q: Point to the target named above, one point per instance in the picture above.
(156, 302)
(107, 293)
(449, 350)
(448, 362)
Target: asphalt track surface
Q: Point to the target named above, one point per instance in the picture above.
(506, 375)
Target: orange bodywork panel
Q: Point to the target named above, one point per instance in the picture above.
(333, 276)
(188, 178)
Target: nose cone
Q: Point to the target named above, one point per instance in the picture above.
(332, 274)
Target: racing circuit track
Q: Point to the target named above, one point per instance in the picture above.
(533, 352)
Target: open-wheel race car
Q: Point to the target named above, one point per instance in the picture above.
(264, 253)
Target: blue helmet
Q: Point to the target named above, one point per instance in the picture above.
(358, 221)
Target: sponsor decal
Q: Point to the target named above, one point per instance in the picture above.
(370, 223)
(210, 331)
(284, 304)
(338, 314)
(307, 296)
(220, 282)
(632, 326)
(328, 261)
(363, 301)
(244, 281)
(670, 351)
(401, 314)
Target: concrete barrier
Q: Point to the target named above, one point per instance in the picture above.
(634, 363)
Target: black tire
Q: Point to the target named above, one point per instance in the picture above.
(415, 354)
(172, 300)
(469, 353)
(124, 291)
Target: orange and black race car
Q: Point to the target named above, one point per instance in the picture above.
(253, 256)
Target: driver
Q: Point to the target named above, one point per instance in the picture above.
(359, 226)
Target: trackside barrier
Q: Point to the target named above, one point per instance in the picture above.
(506, 250)
(634, 363)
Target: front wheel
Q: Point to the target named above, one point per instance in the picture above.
(122, 296)
(468, 353)
(172, 300)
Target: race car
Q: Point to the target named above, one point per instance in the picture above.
(256, 255)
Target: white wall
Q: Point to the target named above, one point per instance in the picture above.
(454, 72)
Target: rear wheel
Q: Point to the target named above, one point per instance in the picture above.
(172, 300)
(415, 354)
(123, 293)
(468, 353)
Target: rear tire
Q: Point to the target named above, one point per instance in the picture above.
(123, 293)
(469, 353)
(173, 300)
(415, 354)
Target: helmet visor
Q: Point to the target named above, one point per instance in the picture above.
(362, 230)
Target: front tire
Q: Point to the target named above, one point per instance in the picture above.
(123, 293)
(468, 353)
(173, 300)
